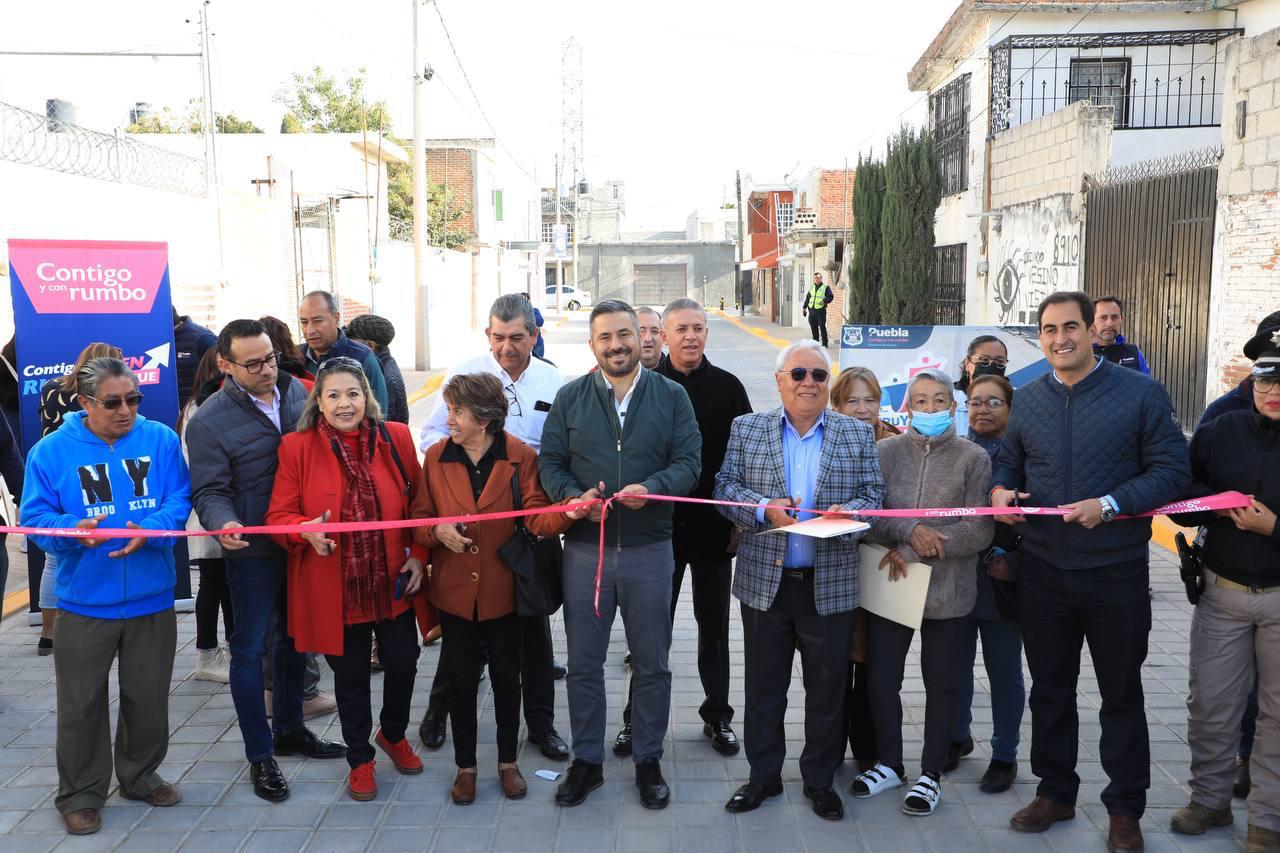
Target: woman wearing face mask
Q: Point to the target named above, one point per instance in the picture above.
(986, 356)
(926, 466)
(994, 616)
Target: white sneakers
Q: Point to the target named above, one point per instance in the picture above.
(922, 799)
(213, 665)
(876, 780)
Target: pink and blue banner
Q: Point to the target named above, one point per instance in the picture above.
(68, 294)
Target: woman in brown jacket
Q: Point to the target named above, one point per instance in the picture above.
(473, 471)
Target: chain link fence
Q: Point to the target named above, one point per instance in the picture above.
(35, 140)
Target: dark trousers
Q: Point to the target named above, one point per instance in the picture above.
(537, 678)
(398, 649)
(258, 594)
(858, 724)
(770, 639)
(942, 647)
(463, 639)
(711, 582)
(213, 594)
(1002, 658)
(1109, 608)
(87, 647)
(818, 324)
(1249, 723)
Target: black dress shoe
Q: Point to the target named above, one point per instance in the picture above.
(432, 729)
(622, 743)
(958, 750)
(723, 740)
(551, 744)
(268, 782)
(749, 797)
(654, 793)
(826, 803)
(583, 778)
(999, 776)
(304, 742)
(558, 670)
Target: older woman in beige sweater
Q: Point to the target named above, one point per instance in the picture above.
(928, 466)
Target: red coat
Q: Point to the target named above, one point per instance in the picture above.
(310, 481)
(478, 581)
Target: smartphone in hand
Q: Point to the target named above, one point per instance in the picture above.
(402, 581)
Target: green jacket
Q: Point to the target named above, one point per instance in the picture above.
(660, 448)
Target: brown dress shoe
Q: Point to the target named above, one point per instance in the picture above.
(1125, 836)
(464, 788)
(513, 785)
(1041, 814)
(1262, 840)
(164, 796)
(82, 821)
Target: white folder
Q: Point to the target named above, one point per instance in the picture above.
(900, 601)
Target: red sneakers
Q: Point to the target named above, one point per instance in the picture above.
(400, 753)
(362, 784)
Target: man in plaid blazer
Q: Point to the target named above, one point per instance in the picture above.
(796, 591)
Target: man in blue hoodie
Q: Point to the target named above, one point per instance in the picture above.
(109, 466)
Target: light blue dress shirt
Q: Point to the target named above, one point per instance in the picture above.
(801, 457)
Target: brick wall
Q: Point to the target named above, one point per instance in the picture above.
(835, 194)
(1246, 275)
(455, 168)
(1051, 155)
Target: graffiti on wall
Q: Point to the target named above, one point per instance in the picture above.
(1037, 252)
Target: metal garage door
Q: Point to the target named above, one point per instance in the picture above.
(657, 285)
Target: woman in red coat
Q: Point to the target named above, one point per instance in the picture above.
(346, 464)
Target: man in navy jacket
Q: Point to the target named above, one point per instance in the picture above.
(1101, 441)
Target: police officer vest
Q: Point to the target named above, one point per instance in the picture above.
(817, 297)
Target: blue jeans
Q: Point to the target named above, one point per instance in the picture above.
(257, 591)
(1002, 657)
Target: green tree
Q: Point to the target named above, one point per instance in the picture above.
(316, 102)
(190, 121)
(912, 193)
(863, 304)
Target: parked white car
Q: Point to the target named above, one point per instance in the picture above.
(571, 298)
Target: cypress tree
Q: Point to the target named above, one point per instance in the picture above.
(912, 193)
(863, 305)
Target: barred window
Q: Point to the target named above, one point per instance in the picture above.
(949, 122)
(786, 216)
(948, 288)
(1102, 82)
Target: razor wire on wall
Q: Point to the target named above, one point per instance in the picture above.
(35, 140)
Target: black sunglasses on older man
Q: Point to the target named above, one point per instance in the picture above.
(112, 403)
(798, 374)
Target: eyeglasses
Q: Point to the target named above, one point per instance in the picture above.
(1266, 384)
(513, 402)
(255, 367)
(986, 361)
(340, 361)
(798, 374)
(992, 403)
(132, 401)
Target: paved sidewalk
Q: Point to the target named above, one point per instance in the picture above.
(220, 813)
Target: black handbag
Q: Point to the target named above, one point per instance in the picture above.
(536, 563)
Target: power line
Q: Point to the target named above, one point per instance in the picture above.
(467, 79)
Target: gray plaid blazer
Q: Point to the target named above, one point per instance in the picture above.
(753, 472)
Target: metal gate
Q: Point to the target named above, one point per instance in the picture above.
(657, 285)
(1149, 241)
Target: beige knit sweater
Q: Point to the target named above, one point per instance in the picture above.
(944, 471)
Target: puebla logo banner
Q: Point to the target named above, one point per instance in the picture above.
(68, 294)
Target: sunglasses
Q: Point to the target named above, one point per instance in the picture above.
(340, 361)
(987, 362)
(132, 401)
(798, 374)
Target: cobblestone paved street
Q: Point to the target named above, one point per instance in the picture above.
(220, 813)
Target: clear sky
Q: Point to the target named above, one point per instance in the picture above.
(677, 94)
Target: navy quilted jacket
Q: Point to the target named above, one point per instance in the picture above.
(1112, 433)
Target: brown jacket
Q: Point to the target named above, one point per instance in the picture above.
(477, 581)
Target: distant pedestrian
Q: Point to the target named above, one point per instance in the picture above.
(1108, 330)
(816, 300)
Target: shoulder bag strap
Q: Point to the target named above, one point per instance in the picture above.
(395, 456)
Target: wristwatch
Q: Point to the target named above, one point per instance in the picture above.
(1109, 508)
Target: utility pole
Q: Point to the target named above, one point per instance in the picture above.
(559, 259)
(571, 132)
(421, 74)
(738, 285)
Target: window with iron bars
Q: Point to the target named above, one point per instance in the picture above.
(548, 230)
(786, 216)
(948, 287)
(949, 123)
(1102, 82)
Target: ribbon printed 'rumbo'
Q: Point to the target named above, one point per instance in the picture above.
(1220, 501)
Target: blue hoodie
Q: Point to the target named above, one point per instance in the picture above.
(72, 475)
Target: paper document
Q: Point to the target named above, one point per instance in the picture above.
(823, 527)
(900, 601)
